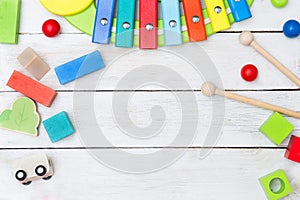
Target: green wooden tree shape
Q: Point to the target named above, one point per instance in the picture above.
(22, 117)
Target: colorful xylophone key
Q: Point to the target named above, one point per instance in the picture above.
(171, 22)
(103, 21)
(125, 23)
(194, 20)
(217, 15)
(148, 24)
(239, 9)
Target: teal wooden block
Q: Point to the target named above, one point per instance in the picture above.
(276, 128)
(125, 23)
(58, 127)
(9, 21)
(276, 185)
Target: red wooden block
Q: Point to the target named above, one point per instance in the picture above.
(31, 88)
(148, 24)
(293, 150)
(194, 20)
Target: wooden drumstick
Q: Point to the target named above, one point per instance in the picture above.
(247, 39)
(209, 89)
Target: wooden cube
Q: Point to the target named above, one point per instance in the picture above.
(58, 126)
(276, 185)
(293, 150)
(33, 63)
(276, 128)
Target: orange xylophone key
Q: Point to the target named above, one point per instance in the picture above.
(194, 20)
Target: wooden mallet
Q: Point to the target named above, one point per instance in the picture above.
(209, 89)
(247, 39)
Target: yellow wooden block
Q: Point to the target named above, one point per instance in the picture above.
(66, 7)
(217, 15)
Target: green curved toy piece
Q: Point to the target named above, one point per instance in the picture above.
(22, 117)
(85, 22)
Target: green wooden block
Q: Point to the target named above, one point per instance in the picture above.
(276, 185)
(9, 21)
(276, 128)
(58, 127)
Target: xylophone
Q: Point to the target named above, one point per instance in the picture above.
(181, 21)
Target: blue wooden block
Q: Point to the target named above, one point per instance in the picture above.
(239, 9)
(103, 21)
(58, 126)
(79, 67)
(125, 23)
(171, 21)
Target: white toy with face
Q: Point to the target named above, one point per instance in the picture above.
(31, 168)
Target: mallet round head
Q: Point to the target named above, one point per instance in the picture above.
(246, 38)
(208, 89)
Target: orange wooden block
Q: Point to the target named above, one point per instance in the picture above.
(31, 88)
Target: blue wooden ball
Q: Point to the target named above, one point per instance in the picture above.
(291, 28)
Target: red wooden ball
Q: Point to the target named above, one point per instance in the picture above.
(249, 72)
(51, 28)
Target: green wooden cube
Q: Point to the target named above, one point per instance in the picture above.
(9, 21)
(276, 185)
(276, 128)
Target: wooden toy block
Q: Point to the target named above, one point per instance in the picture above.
(103, 21)
(276, 185)
(22, 117)
(58, 127)
(217, 15)
(9, 21)
(79, 67)
(125, 23)
(239, 9)
(276, 128)
(194, 20)
(171, 21)
(148, 24)
(293, 150)
(33, 63)
(31, 88)
(66, 7)
(35, 167)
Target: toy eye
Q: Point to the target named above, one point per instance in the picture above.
(20, 175)
(40, 170)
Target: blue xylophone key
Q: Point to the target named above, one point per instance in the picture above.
(125, 23)
(171, 21)
(103, 21)
(239, 9)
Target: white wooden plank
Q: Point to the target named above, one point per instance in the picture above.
(223, 49)
(224, 174)
(241, 122)
(265, 17)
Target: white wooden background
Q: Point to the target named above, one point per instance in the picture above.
(231, 171)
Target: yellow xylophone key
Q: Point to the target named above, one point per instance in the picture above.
(217, 15)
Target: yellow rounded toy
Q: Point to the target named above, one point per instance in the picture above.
(66, 7)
